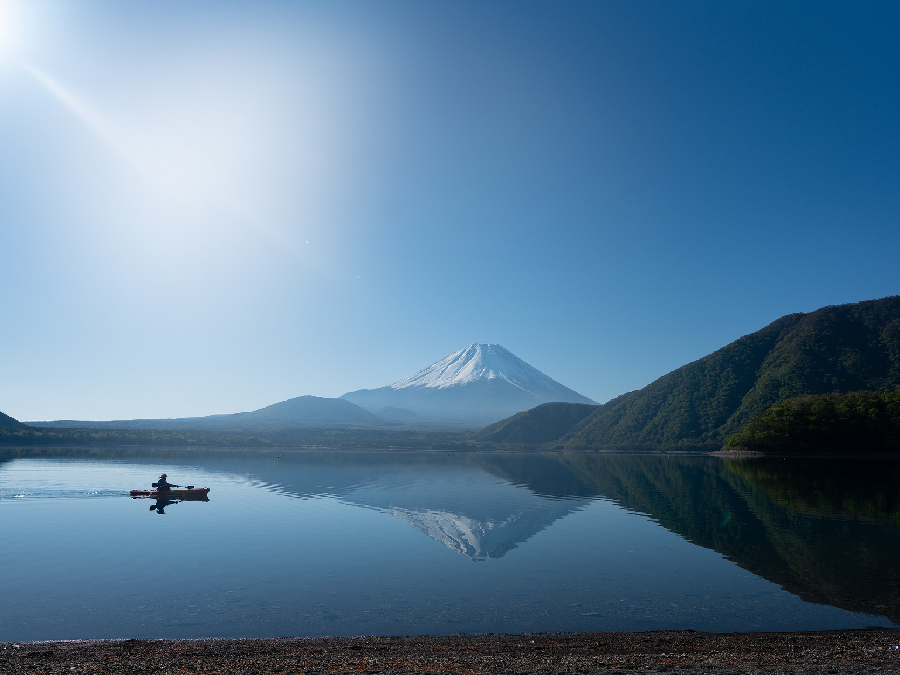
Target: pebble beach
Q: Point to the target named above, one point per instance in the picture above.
(873, 651)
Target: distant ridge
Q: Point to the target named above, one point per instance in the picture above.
(295, 413)
(476, 385)
(310, 409)
(834, 349)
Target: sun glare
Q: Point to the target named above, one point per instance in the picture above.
(8, 28)
(206, 161)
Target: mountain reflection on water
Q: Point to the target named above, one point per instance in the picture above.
(473, 504)
(824, 529)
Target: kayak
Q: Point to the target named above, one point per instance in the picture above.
(174, 493)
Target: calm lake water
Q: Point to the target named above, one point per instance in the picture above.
(380, 543)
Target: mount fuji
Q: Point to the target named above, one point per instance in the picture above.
(473, 387)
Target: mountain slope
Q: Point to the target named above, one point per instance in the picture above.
(543, 424)
(474, 386)
(9, 422)
(309, 410)
(838, 348)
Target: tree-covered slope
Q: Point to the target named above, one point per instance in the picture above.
(860, 421)
(542, 424)
(834, 349)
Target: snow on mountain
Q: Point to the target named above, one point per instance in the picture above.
(477, 385)
(477, 362)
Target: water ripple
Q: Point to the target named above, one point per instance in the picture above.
(49, 493)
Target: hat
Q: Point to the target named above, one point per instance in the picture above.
(163, 476)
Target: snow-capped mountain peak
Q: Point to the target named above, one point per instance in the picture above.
(475, 362)
(477, 385)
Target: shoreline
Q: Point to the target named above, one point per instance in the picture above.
(871, 650)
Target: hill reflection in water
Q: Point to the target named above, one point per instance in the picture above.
(471, 503)
(825, 529)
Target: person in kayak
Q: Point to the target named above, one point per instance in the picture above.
(163, 485)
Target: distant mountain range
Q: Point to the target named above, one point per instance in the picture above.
(835, 349)
(474, 386)
(295, 413)
(466, 390)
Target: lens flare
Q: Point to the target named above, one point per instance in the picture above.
(75, 105)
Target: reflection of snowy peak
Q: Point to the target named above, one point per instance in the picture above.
(476, 385)
(480, 506)
(475, 538)
(468, 511)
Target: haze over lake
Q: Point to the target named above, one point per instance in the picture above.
(338, 543)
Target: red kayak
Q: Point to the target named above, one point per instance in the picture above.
(174, 493)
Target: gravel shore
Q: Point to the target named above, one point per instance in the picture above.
(875, 650)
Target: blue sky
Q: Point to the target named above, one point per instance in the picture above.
(207, 207)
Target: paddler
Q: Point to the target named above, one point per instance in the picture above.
(163, 485)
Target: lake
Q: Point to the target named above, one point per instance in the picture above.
(312, 543)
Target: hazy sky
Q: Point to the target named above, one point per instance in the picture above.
(207, 206)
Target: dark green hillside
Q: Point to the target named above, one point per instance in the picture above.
(834, 349)
(8, 422)
(542, 424)
(863, 421)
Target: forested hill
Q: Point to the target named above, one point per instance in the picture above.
(7, 421)
(834, 349)
(866, 421)
(542, 424)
